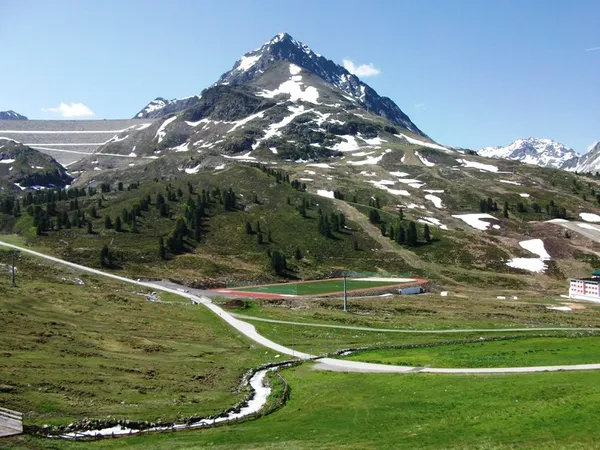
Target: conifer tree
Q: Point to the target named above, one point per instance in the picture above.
(426, 233)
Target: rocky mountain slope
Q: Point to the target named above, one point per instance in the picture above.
(11, 115)
(540, 152)
(590, 162)
(253, 65)
(280, 102)
(22, 167)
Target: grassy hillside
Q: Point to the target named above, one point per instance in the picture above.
(228, 247)
(404, 411)
(75, 346)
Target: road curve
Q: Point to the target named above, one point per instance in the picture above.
(393, 330)
(323, 363)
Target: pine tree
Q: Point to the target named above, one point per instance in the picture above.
(298, 254)
(401, 214)
(391, 232)
(426, 233)
(107, 222)
(505, 210)
(249, 228)
(161, 248)
(259, 239)
(355, 245)
(89, 227)
(258, 227)
(383, 230)
(412, 238)
(104, 255)
(269, 236)
(118, 224)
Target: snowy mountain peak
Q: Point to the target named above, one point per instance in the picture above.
(540, 152)
(11, 115)
(260, 71)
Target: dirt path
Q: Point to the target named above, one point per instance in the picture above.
(354, 215)
(394, 330)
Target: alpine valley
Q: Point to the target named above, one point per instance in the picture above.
(290, 154)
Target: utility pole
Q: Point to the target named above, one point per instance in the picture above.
(12, 272)
(345, 295)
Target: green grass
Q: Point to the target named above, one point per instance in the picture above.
(426, 312)
(517, 352)
(318, 287)
(372, 411)
(71, 351)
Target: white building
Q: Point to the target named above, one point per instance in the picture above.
(585, 288)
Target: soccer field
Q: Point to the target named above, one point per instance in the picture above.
(322, 287)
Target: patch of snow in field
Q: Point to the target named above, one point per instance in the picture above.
(246, 62)
(273, 150)
(415, 206)
(310, 172)
(535, 246)
(245, 157)
(423, 160)
(325, 193)
(559, 308)
(7, 161)
(294, 89)
(273, 129)
(587, 226)
(385, 187)
(524, 195)
(557, 221)
(474, 220)
(320, 165)
(384, 182)
(348, 144)
(242, 122)
(362, 153)
(369, 161)
(220, 167)
(529, 264)
(411, 182)
(306, 179)
(294, 69)
(192, 169)
(437, 202)
(476, 165)
(399, 174)
(183, 147)
(496, 227)
(510, 182)
(143, 126)
(403, 159)
(434, 191)
(365, 173)
(424, 144)
(433, 221)
(588, 217)
(160, 133)
(374, 141)
(195, 124)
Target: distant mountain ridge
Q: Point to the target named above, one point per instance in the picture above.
(540, 152)
(547, 153)
(283, 47)
(11, 115)
(22, 167)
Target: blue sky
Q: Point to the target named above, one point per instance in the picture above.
(468, 73)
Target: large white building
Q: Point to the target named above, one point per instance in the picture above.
(585, 288)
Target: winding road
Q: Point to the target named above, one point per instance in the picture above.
(322, 363)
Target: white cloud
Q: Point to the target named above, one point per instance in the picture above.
(71, 110)
(593, 49)
(364, 70)
(421, 106)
